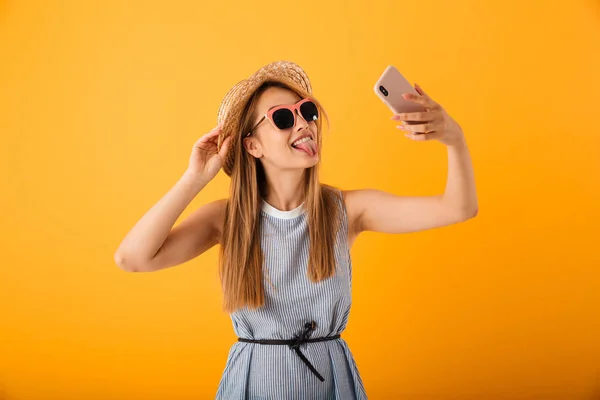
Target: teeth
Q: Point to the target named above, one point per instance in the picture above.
(297, 142)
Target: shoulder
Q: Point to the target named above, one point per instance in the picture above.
(354, 202)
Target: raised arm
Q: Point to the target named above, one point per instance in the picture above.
(153, 243)
(375, 210)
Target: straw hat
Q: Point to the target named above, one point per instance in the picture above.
(232, 105)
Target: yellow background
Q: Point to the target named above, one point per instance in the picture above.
(101, 102)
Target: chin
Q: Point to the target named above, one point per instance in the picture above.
(312, 161)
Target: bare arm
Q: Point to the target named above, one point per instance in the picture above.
(144, 241)
(375, 210)
(153, 244)
(378, 211)
(196, 234)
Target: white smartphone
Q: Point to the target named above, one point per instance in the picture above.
(389, 88)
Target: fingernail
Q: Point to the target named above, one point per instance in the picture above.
(395, 117)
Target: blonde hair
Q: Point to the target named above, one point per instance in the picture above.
(240, 256)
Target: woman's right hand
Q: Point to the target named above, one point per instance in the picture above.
(205, 160)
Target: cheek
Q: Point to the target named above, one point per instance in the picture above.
(275, 147)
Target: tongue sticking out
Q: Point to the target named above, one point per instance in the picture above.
(310, 147)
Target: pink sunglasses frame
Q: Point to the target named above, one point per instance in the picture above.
(294, 108)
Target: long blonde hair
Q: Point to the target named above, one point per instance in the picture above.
(240, 256)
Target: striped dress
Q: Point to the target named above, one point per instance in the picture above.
(255, 371)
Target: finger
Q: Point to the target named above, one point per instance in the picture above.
(420, 128)
(209, 136)
(424, 100)
(421, 137)
(214, 131)
(420, 90)
(224, 148)
(417, 116)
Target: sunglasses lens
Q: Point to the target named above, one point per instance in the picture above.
(309, 111)
(283, 118)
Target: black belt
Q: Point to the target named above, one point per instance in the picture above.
(296, 342)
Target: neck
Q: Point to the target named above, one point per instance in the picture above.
(285, 189)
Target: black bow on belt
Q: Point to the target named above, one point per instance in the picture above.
(303, 338)
(296, 342)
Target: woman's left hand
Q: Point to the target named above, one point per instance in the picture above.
(433, 124)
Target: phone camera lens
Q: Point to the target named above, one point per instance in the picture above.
(383, 90)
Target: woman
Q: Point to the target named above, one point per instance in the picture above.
(284, 237)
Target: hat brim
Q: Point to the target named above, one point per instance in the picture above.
(236, 99)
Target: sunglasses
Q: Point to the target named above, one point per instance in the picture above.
(284, 116)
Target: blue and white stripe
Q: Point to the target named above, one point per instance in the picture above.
(257, 371)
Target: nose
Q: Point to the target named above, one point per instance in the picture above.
(301, 123)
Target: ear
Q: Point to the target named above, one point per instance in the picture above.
(252, 146)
